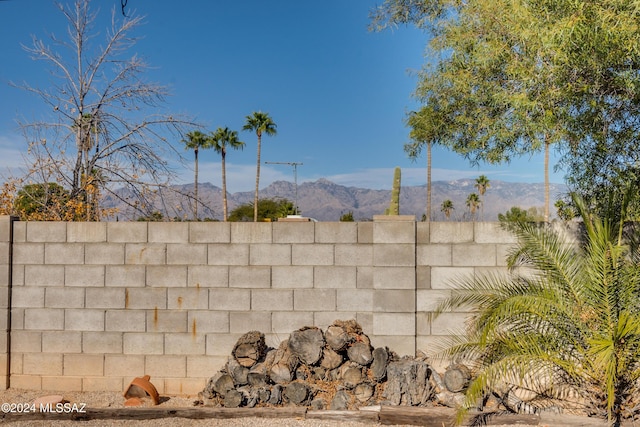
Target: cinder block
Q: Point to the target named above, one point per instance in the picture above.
(45, 319)
(145, 253)
(240, 322)
(293, 232)
(250, 277)
(230, 299)
(6, 224)
(16, 364)
(423, 232)
(19, 232)
(143, 343)
(228, 254)
(127, 366)
(42, 364)
(160, 366)
(401, 345)
(492, 232)
(105, 297)
(474, 254)
(104, 253)
(334, 277)
(209, 232)
(126, 320)
(188, 254)
(324, 319)
(283, 323)
(185, 386)
(365, 232)
(187, 299)
(429, 299)
(17, 318)
(125, 276)
(201, 366)
(314, 299)
(44, 275)
(84, 275)
(62, 342)
(398, 255)
(423, 277)
(102, 342)
(220, 346)
(435, 254)
(185, 344)
(46, 231)
(169, 232)
(127, 232)
(83, 364)
(502, 254)
(394, 278)
(292, 277)
(394, 232)
(316, 254)
(146, 298)
(167, 276)
(27, 296)
(394, 301)
(445, 277)
(251, 232)
(25, 342)
(208, 276)
(62, 383)
(28, 253)
(26, 382)
(64, 297)
(83, 319)
(364, 277)
(167, 321)
(85, 232)
(355, 299)
(394, 324)
(451, 232)
(269, 254)
(205, 321)
(449, 324)
(354, 254)
(64, 253)
(336, 232)
(102, 384)
(271, 300)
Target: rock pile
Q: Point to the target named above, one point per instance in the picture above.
(336, 369)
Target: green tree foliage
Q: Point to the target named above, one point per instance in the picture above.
(394, 204)
(507, 78)
(569, 320)
(260, 123)
(482, 185)
(222, 139)
(517, 214)
(447, 208)
(268, 210)
(42, 202)
(347, 217)
(473, 203)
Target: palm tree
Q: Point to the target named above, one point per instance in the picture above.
(259, 123)
(220, 140)
(195, 141)
(447, 208)
(482, 184)
(565, 319)
(473, 201)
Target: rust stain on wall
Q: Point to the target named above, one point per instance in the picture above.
(126, 298)
(193, 328)
(179, 302)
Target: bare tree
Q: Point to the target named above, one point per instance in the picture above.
(97, 136)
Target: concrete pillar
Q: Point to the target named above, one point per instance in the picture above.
(6, 242)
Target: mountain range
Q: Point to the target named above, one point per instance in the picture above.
(327, 201)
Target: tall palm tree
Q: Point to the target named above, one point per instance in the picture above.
(447, 208)
(195, 141)
(482, 184)
(565, 319)
(473, 202)
(260, 123)
(220, 140)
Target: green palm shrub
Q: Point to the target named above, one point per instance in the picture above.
(566, 317)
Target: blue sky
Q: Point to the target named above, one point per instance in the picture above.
(338, 92)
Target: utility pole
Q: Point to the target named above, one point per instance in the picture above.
(295, 178)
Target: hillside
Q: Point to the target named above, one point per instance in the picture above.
(326, 201)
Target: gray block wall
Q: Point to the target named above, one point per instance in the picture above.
(93, 305)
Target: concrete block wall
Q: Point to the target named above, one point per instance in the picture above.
(95, 304)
